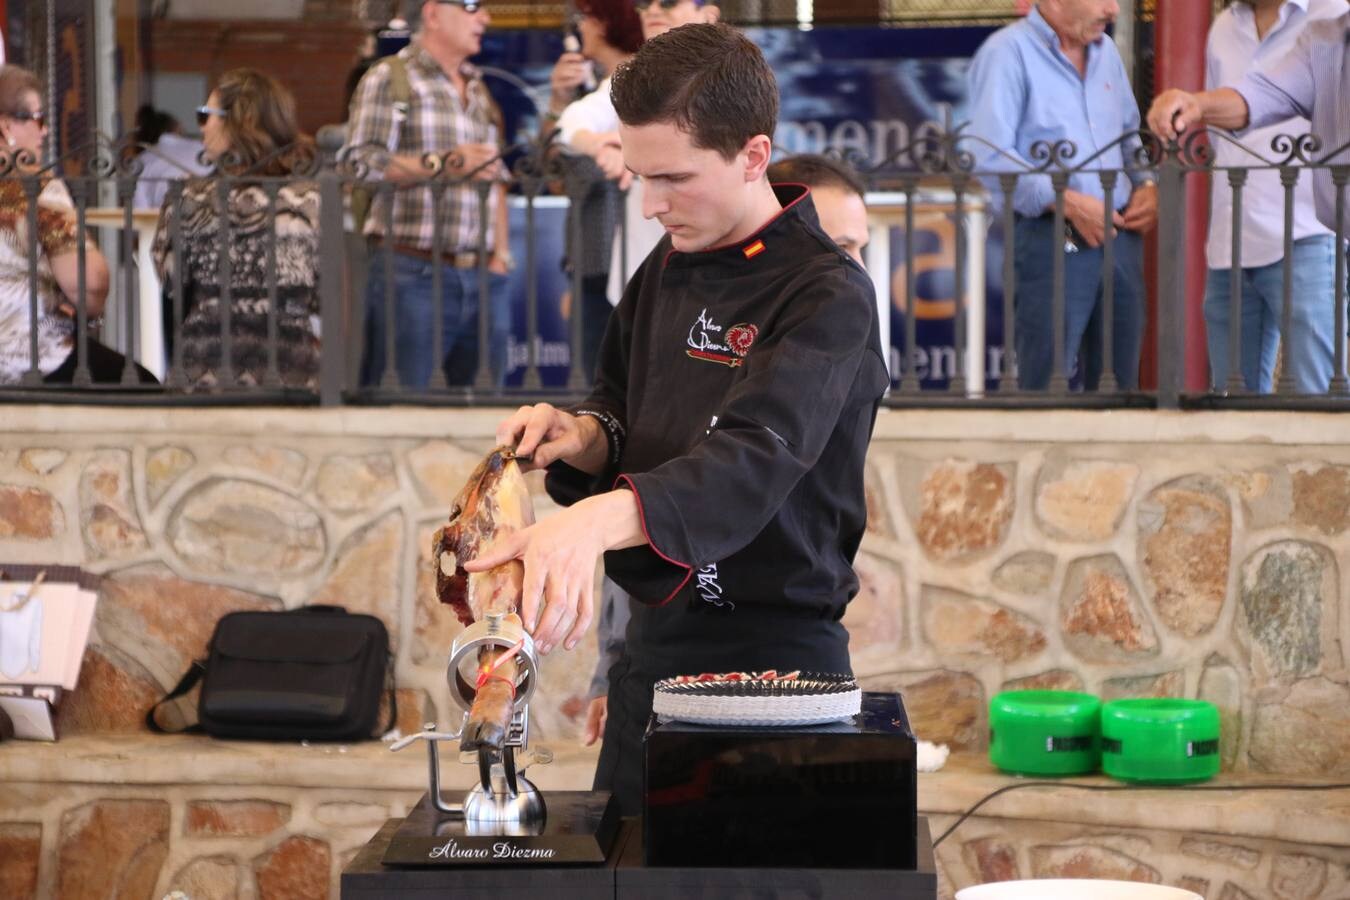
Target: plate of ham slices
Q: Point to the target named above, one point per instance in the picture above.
(769, 698)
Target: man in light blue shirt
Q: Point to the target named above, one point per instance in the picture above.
(1312, 80)
(1053, 77)
(1250, 34)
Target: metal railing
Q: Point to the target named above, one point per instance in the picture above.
(543, 193)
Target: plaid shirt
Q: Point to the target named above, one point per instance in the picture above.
(437, 120)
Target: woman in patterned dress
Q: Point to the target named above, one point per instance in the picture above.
(22, 127)
(251, 137)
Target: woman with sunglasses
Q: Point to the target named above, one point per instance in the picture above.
(23, 128)
(253, 141)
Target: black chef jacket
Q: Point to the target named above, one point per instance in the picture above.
(744, 382)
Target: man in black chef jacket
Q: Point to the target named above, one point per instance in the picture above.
(718, 462)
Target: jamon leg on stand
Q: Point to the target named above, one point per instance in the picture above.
(494, 502)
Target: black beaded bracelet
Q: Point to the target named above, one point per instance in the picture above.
(614, 431)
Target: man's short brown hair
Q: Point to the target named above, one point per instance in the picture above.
(816, 171)
(708, 80)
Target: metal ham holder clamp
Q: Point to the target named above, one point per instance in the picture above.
(503, 801)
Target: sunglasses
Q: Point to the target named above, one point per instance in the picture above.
(206, 112)
(469, 6)
(641, 5)
(26, 116)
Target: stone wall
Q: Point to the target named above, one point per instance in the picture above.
(1126, 553)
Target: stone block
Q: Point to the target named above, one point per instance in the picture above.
(1304, 732)
(1052, 680)
(1267, 496)
(166, 621)
(1168, 684)
(1083, 500)
(1101, 617)
(879, 520)
(1087, 860)
(958, 623)
(163, 467)
(228, 526)
(20, 854)
(1233, 892)
(434, 623)
(1297, 876)
(29, 514)
(280, 463)
(365, 575)
(440, 470)
(1225, 853)
(350, 484)
(108, 517)
(234, 818)
(1286, 588)
(1028, 573)
(1185, 537)
(208, 878)
(1199, 886)
(42, 460)
(351, 815)
(296, 869)
(112, 849)
(875, 617)
(944, 707)
(113, 694)
(1322, 498)
(1221, 684)
(991, 860)
(965, 509)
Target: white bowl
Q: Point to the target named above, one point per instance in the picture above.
(1074, 889)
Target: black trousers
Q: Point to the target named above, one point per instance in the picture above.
(619, 769)
(105, 366)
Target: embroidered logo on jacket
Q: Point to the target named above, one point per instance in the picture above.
(709, 587)
(711, 342)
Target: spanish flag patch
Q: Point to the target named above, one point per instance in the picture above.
(753, 250)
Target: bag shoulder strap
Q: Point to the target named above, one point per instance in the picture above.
(400, 92)
(186, 683)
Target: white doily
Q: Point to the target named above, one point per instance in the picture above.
(756, 699)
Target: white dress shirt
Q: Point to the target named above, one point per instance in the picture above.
(1233, 50)
(595, 113)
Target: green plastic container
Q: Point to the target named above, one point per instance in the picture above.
(1165, 740)
(1045, 732)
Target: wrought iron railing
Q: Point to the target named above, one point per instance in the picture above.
(973, 181)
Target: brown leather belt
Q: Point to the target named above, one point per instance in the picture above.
(467, 259)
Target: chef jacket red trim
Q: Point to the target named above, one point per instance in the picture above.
(753, 239)
(642, 517)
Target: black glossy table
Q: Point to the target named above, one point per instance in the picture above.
(624, 877)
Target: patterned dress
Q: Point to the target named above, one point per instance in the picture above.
(56, 234)
(243, 226)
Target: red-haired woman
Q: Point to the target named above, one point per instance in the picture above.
(611, 33)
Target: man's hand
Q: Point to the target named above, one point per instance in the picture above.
(569, 73)
(609, 157)
(546, 434)
(596, 714)
(1087, 216)
(475, 158)
(1142, 212)
(560, 554)
(1172, 112)
(499, 264)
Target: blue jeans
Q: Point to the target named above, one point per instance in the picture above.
(1309, 352)
(1083, 321)
(412, 322)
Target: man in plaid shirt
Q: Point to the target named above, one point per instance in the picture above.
(448, 111)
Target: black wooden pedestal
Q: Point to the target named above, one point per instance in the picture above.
(624, 877)
(367, 878)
